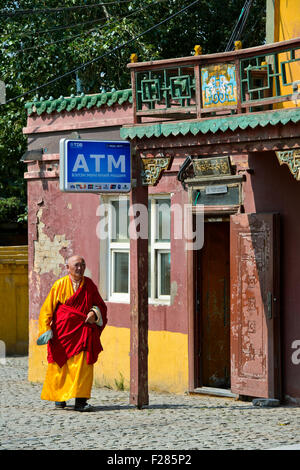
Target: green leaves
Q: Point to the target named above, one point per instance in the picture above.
(38, 47)
(12, 209)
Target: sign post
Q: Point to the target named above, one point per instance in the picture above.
(88, 166)
(138, 295)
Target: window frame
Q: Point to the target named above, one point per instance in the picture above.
(113, 248)
(156, 248)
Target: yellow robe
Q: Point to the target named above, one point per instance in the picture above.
(75, 378)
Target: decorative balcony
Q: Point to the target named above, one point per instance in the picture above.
(242, 81)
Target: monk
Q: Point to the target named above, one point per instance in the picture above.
(71, 321)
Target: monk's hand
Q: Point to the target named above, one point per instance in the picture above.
(91, 317)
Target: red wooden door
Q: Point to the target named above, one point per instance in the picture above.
(254, 310)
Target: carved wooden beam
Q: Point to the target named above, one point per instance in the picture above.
(291, 158)
(152, 169)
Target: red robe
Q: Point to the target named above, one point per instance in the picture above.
(71, 334)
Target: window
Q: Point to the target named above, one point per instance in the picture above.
(159, 255)
(159, 262)
(119, 250)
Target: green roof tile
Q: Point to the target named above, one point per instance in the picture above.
(241, 121)
(77, 102)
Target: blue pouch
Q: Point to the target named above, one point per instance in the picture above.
(44, 338)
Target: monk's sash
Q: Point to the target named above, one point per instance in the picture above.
(71, 334)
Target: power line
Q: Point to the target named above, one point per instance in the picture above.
(103, 55)
(239, 26)
(51, 43)
(58, 28)
(252, 28)
(56, 10)
(69, 26)
(74, 36)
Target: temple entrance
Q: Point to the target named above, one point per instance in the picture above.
(213, 307)
(237, 324)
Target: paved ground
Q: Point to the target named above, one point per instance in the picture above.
(170, 422)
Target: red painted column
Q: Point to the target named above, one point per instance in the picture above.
(138, 292)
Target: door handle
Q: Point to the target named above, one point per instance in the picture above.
(269, 305)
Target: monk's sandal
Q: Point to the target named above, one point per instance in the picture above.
(59, 405)
(86, 407)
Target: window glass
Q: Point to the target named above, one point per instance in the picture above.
(119, 248)
(121, 265)
(159, 248)
(163, 220)
(119, 220)
(165, 265)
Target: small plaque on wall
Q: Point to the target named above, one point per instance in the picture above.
(216, 189)
(217, 195)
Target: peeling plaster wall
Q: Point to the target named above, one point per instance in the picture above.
(60, 224)
(47, 256)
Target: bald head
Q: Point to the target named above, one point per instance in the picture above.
(74, 258)
(76, 267)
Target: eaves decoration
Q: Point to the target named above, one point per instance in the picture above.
(232, 123)
(152, 169)
(291, 158)
(72, 103)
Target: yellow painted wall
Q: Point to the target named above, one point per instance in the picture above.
(14, 299)
(287, 20)
(287, 26)
(167, 363)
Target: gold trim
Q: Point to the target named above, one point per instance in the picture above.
(291, 158)
(153, 168)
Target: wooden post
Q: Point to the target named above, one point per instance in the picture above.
(238, 86)
(136, 119)
(198, 51)
(138, 293)
(198, 90)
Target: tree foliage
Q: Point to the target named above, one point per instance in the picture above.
(49, 40)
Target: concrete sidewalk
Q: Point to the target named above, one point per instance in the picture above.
(170, 422)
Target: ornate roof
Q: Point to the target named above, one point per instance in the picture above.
(41, 105)
(238, 121)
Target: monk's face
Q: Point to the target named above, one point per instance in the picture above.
(76, 267)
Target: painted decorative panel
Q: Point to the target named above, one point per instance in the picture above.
(219, 85)
(153, 168)
(212, 166)
(292, 159)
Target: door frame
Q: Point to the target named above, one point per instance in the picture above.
(199, 311)
(215, 213)
(211, 213)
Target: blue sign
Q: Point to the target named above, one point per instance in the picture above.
(95, 166)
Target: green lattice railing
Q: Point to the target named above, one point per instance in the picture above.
(170, 86)
(246, 80)
(273, 80)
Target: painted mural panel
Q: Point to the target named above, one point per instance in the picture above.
(218, 85)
